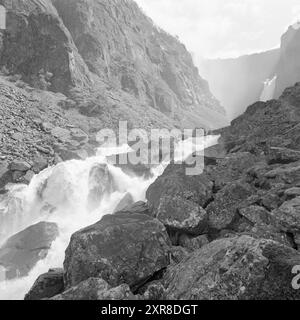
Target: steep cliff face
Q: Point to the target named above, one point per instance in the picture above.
(107, 46)
(288, 69)
(239, 82)
(36, 43)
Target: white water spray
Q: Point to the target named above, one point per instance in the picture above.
(269, 89)
(62, 193)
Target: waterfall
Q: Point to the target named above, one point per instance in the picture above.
(269, 89)
(67, 195)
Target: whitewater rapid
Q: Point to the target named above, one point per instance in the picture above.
(61, 194)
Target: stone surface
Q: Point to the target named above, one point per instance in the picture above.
(121, 248)
(47, 285)
(174, 182)
(223, 210)
(19, 165)
(236, 268)
(21, 252)
(177, 213)
(96, 289)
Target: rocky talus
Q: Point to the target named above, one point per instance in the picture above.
(232, 232)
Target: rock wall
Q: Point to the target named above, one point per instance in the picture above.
(109, 47)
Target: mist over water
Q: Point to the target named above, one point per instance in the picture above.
(269, 89)
(62, 194)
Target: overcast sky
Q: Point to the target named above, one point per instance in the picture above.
(224, 28)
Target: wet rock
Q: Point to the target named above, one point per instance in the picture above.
(47, 285)
(28, 176)
(39, 164)
(137, 208)
(239, 268)
(96, 289)
(100, 184)
(19, 165)
(121, 248)
(124, 203)
(21, 252)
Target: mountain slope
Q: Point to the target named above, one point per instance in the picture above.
(111, 48)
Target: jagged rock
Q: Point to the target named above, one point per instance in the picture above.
(39, 164)
(100, 183)
(282, 155)
(259, 223)
(231, 168)
(96, 289)
(178, 213)
(223, 210)
(174, 182)
(178, 254)
(19, 165)
(240, 268)
(193, 244)
(47, 285)
(292, 193)
(153, 291)
(23, 44)
(5, 174)
(137, 208)
(21, 252)
(121, 248)
(124, 203)
(287, 216)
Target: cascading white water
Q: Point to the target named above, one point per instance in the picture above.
(61, 194)
(269, 89)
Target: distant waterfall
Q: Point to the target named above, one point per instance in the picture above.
(73, 194)
(269, 89)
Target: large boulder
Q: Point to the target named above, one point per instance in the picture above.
(223, 210)
(47, 285)
(174, 182)
(231, 168)
(287, 216)
(21, 252)
(96, 289)
(282, 155)
(126, 247)
(239, 268)
(183, 215)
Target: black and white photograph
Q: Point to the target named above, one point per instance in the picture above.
(149, 153)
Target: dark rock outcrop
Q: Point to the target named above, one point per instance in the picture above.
(122, 248)
(239, 268)
(96, 289)
(21, 252)
(47, 285)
